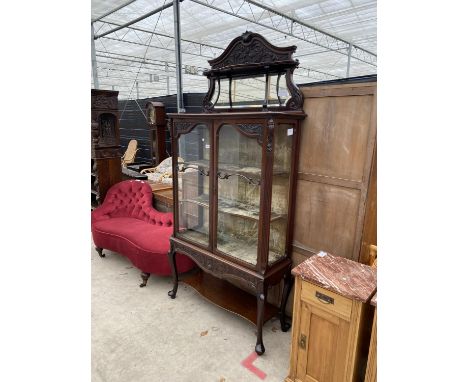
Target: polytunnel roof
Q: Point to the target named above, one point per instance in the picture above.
(139, 60)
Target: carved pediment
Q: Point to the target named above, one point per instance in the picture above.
(104, 99)
(104, 102)
(252, 48)
(252, 56)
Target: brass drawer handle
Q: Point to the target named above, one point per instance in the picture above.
(323, 298)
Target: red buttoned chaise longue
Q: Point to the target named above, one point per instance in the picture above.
(128, 224)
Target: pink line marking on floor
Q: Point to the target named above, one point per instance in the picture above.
(248, 364)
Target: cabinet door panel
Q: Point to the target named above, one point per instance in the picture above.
(238, 177)
(282, 158)
(193, 165)
(322, 356)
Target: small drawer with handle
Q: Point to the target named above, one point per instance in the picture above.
(326, 300)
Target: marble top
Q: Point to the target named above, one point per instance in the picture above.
(373, 301)
(346, 277)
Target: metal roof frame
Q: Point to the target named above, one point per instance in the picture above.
(122, 35)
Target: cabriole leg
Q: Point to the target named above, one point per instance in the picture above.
(288, 282)
(145, 276)
(261, 301)
(99, 251)
(175, 277)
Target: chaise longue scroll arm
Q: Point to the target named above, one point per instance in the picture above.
(102, 212)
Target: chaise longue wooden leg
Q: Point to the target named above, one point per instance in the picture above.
(145, 276)
(99, 251)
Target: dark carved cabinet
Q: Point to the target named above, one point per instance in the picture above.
(105, 143)
(235, 174)
(156, 117)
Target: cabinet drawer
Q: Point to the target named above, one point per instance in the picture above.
(326, 300)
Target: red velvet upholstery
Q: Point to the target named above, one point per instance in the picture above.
(128, 224)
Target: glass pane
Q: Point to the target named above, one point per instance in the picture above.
(283, 91)
(273, 99)
(248, 92)
(280, 193)
(238, 177)
(193, 184)
(221, 100)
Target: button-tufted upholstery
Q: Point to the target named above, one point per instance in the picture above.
(128, 224)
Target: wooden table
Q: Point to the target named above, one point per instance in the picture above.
(162, 196)
(131, 174)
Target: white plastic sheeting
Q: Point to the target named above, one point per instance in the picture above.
(139, 60)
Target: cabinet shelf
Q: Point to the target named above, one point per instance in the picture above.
(242, 250)
(230, 207)
(229, 168)
(199, 236)
(231, 246)
(228, 297)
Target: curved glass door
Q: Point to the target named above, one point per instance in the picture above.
(238, 180)
(282, 156)
(193, 185)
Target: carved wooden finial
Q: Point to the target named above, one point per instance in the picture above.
(247, 36)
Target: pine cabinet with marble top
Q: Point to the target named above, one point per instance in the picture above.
(329, 319)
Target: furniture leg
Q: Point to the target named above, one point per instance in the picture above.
(145, 276)
(288, 282)
(175, 277)
(99, 251)
(261, 301)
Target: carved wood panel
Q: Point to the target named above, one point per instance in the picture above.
(108, 134)
(182, 127)
(251, 48)
(256, 52)
(217, 267)
(104, 101)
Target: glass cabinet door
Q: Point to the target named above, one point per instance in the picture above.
(193, 185)
(282, 157)
(238, 183)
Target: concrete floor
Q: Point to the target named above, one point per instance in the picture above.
(141, 335)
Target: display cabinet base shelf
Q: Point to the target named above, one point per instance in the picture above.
(228, 297)
(214, 285)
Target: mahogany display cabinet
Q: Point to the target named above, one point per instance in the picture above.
(235, 176)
